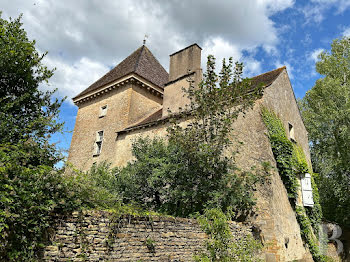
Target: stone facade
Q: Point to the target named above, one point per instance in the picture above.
(125, 105)
(93, 236)
(131, 119)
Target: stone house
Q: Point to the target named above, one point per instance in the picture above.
(133, 100)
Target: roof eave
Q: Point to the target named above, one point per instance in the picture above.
(132, 77)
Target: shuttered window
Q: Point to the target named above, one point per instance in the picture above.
(306, 189)
(98, 143)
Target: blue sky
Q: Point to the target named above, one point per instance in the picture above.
(85, 39)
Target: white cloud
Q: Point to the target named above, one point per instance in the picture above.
(341, 5)
(252, 67)
(346, 32)
(314, 12)
(274, 6)
(85, 38)
(314, 54)
(71, 79)
(220, 49)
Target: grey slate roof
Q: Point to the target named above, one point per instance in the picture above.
(141, 62)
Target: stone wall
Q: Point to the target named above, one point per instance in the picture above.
(95, 236)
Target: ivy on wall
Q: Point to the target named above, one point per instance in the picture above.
(283, 150)
(291, 165)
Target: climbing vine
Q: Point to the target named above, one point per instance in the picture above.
(283, 150)
(291, 164)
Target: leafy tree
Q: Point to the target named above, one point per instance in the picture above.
(168, 179)
(29, 195)
(195, 169)
(96, 188)
(214, 105)
(27, 113)
(326, 112)
(30, 188)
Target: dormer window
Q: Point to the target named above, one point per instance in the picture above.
(291, 132)
(103, 111)
(98, 143)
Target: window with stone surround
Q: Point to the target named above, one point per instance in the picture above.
(103, 111)
(98, 143)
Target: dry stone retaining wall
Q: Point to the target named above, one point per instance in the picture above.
(94, 236)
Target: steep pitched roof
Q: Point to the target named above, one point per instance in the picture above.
(142, 62)
(267, 78)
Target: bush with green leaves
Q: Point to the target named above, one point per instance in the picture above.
(169, 179)
(29, 195)
(32, 196)
(95, 188)
(221, 246)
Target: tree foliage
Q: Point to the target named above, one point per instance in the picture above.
(168, 179)
(326, 112)
(30, 188)
(29, 195)
(27, 113)
(214, 105)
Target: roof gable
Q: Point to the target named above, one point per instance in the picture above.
(141, 62)
(267, 78)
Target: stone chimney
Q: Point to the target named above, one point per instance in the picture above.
(184, 64)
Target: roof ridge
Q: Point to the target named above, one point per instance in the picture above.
(138, 59)
(282, 67)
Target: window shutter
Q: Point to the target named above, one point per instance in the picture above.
(306, 189)
(98, 143)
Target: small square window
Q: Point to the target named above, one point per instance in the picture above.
(291, 132)
(103, 111)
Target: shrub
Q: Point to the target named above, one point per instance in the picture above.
(28, 196)
(170, 179)
(221, 246)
